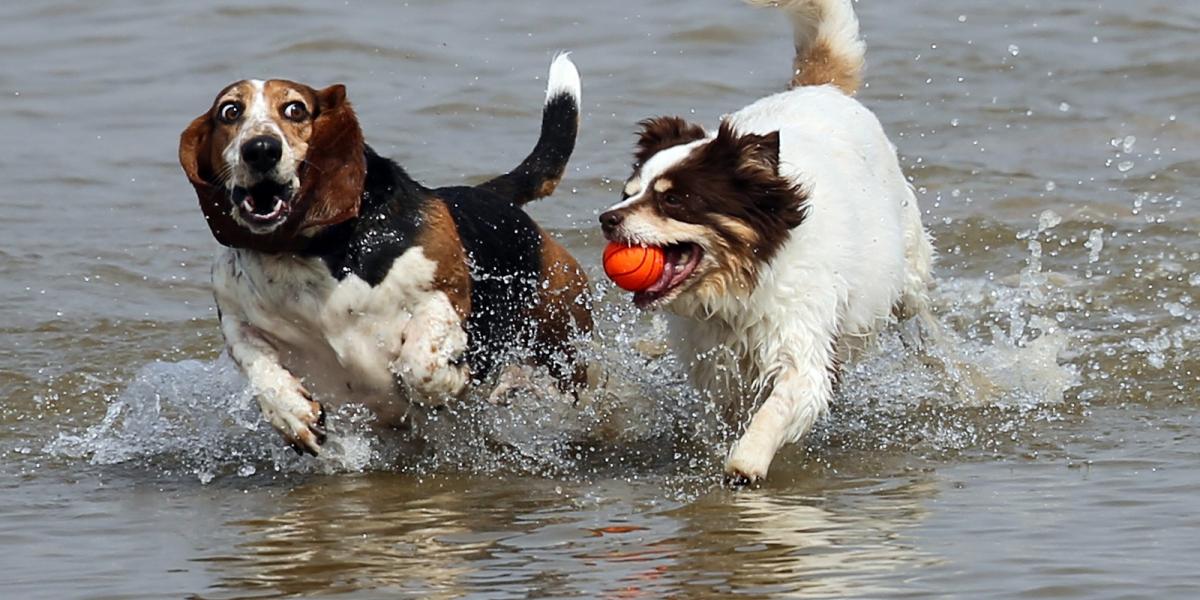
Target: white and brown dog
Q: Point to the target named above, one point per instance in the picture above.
(791, 237)
(344, 280)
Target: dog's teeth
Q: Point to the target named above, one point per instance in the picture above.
(685, 256)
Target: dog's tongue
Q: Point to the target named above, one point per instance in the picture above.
(667, 275)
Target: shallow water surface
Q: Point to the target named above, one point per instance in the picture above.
(1046, 449)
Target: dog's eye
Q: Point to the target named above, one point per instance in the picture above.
(229, 112)
(672, 201)
(295, 111)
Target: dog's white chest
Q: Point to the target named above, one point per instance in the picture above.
(339, 337)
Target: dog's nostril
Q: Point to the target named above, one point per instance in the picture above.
(611, 219)
(262, 153)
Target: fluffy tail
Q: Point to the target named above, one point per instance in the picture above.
(828, 47)
(538, 175)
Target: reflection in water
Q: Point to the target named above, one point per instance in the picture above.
(454, 537)
(814, 541)
(352, 533)
(1054, 149)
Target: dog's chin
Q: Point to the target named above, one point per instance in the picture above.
(263, 207)
(682, 268)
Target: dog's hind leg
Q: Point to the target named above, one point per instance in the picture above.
(914, 301)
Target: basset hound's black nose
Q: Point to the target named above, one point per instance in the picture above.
(262, 153)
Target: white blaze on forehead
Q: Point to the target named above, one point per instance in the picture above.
(258, 112)
(657, 165)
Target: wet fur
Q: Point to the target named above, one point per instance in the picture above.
(377, 289)
(811, 235)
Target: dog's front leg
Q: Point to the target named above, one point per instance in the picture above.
(801, 395)
(284, 402)
(430, 362)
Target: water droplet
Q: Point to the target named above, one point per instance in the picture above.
(1051, 186)
(1175, 309)
(1048, 220)
(1094, 244)
(1014, 49)
(1064, 107)
(1125, 166)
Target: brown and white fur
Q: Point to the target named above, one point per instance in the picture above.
(792, 236)
(344, 280)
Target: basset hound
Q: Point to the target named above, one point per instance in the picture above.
(342, 279)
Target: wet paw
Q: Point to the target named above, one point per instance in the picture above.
(309, 438)
(747, 464)
(431, 365)
(739, 481)
(301, 423)
(434, 382)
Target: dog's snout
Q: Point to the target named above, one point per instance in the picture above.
(609, 221)
(262, 153)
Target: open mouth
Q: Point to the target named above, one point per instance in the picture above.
(263, 203)
(680, 263)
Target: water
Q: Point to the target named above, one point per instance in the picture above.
(1046, 450)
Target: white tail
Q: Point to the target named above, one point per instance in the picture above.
(828, 47)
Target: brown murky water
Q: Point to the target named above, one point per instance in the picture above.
(1053, 454)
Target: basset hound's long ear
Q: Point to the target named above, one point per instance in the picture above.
(335, 167)
(195, 156)
(195, 150)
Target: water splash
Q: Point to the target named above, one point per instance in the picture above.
(197, 417)
(994, 351)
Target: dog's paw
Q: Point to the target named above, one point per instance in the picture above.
(431, 364)
(299, 419)
(738, 481)
(747, 464)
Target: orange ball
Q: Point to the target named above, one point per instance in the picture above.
(633, 268)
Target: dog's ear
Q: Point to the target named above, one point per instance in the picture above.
(195, 156)
(335, 166)
(752, 161)
(661, 133)
(761, 151)
(749, 151)
(195, 152)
